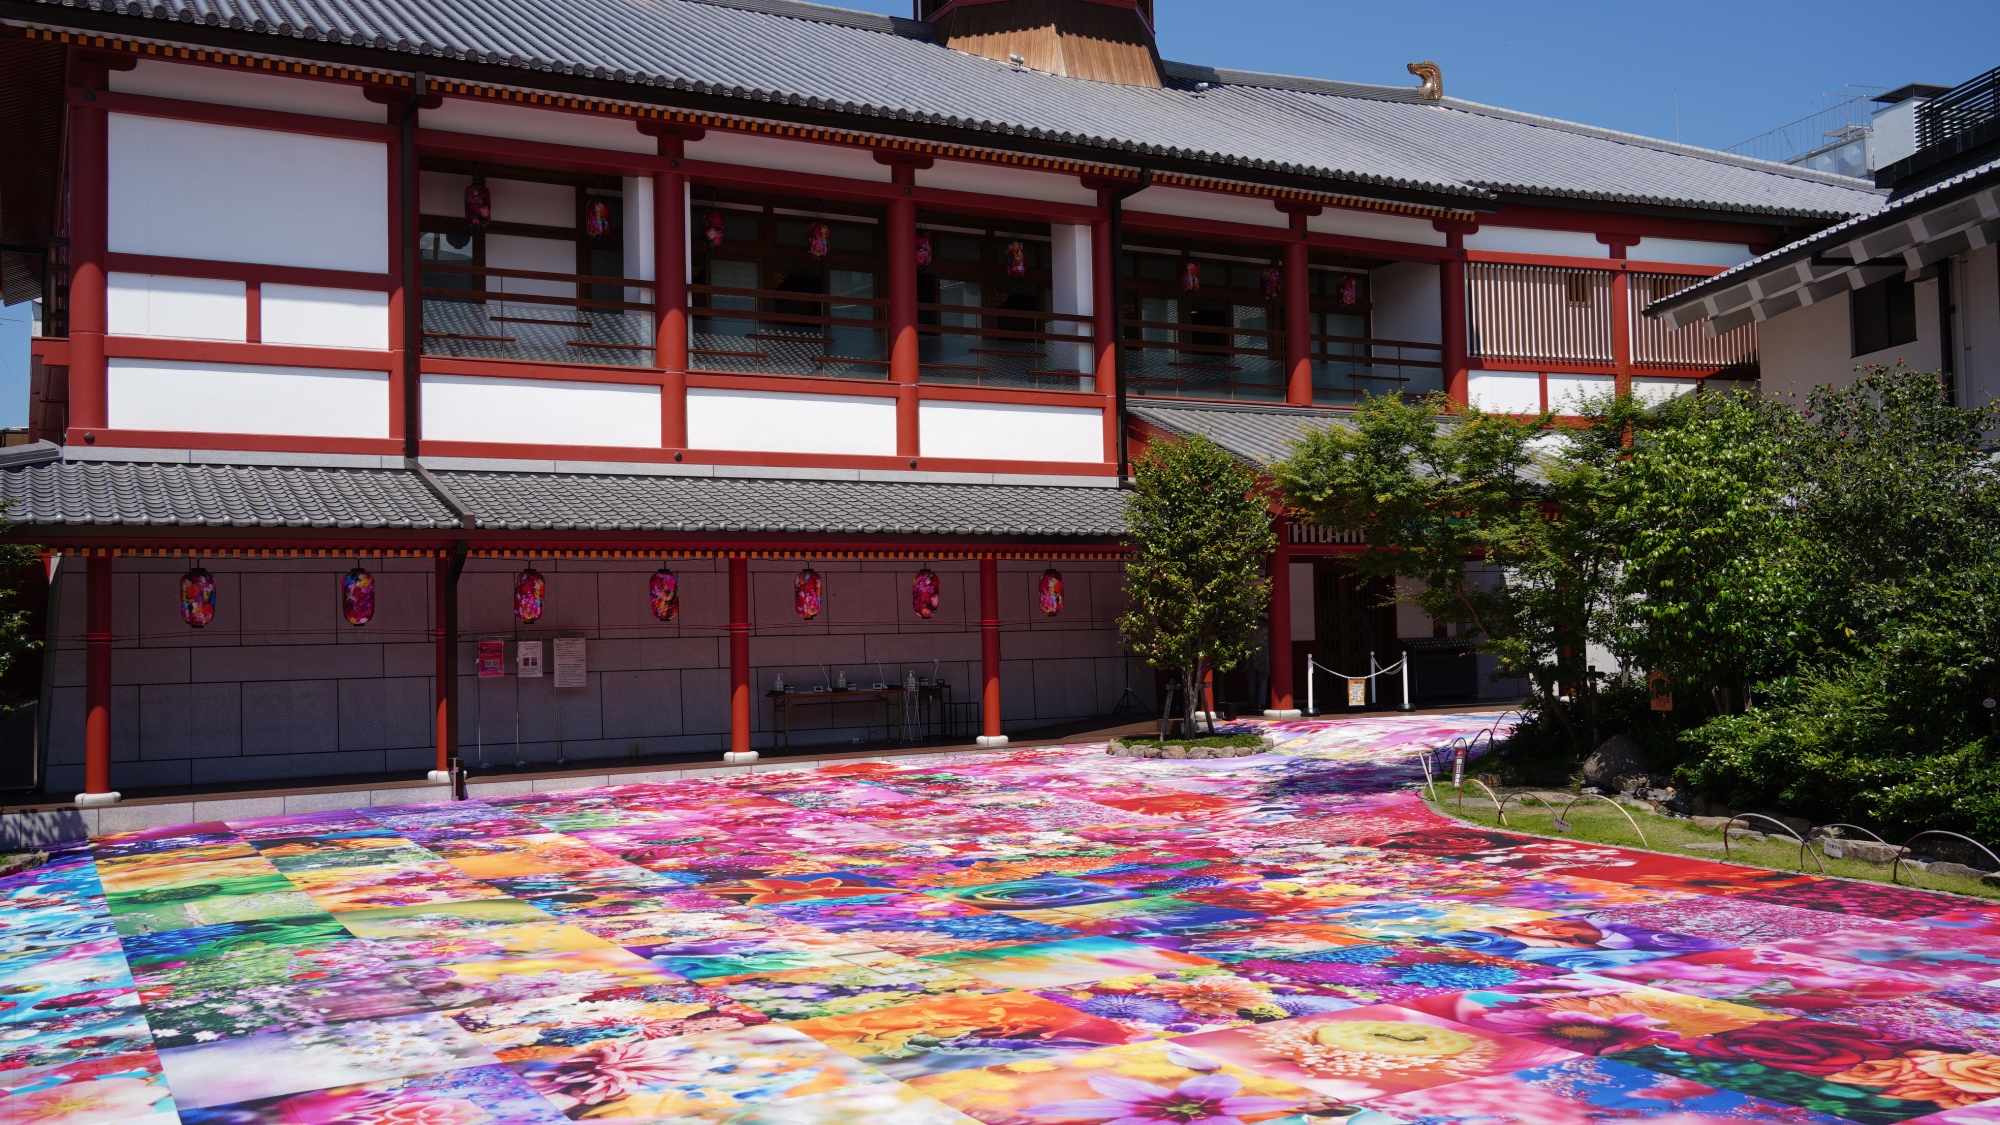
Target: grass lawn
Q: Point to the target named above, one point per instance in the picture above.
(1600, 822)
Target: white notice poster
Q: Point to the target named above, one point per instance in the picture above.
(569, 662)
(528, 659)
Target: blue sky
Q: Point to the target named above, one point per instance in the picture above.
(1736, 69)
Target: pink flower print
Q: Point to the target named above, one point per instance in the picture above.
(1206, 1099)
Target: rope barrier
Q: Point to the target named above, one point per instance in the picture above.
(1313, 665)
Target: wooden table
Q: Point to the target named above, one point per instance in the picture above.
(782, 703)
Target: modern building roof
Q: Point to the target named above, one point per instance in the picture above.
(49, 493)
(1928, 225)
(1257, 434)
(886, 74)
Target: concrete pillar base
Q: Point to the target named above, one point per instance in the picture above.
(1209, 717)
(442, 777)
(95, 800)
(1284, 714)
(739, 757)
(991, 740)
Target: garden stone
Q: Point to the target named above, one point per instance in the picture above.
(1712, 823)
(1745, 834)
(1618, 758)
(1149, 751)
(1869, 851)
(1175, 752)
(1956, 870)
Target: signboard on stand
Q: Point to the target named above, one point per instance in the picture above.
(528, 659)
(1357, 692)
(492, 659)
(570, 663)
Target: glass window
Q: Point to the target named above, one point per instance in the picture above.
(1883, 315)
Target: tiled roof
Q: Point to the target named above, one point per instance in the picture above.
(883, 71)
(1257, 434)
(150, 495)
(590, 502)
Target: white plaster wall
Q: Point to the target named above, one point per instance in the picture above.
(1072, 290)
(791, 156)
(324, 318)
(1810, 345)
(541, 255)
(790, 423)
(1691, 251)
(999, 431)
(1566, 390)
(1655, 389)
(1208, 205)
(1529, 240)
(233, 398)
(1405, 296)
(526, 201)
(524, 123)
(1976, 279)
(540, 411)
(233, 86)
(185, 308)
(186, 189)
(1011, 183)
(1506, 392)
(1375, 224)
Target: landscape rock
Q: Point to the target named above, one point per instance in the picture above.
(1868, 851)
(1149, 751)
(1955, 870)
(1175, 752)
(1711, 823)
(1618, 758)
(1741, 833)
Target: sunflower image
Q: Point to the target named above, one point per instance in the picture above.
(1370, 1048)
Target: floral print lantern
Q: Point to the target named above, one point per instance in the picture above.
(665, 592)
(357, 596)
(1347, 290)
(1273, 283)
(808, 593)
(1191, 275)
(197, 597)
(530, 590)
(923, 249)
(1049, 591)
(816, 237)
(596, 218)
(1015, 257)
(711, 229)
(924, 590)
(478, 204)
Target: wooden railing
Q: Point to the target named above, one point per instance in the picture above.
(767, 332)
(1655, 344)
(984, 347)
(1538, 313)
(1176, 360)
(1347, 369)
(528, 317)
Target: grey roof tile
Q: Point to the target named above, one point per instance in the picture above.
(1257, 434)
(152, 495)
(883, 70)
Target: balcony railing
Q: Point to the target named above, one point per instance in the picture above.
(1655, 344)
(530, 315)
(1016, 349)
(1348, 368)
(775, 332)
(1172, 359)
(1961, 109)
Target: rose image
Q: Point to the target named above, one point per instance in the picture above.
(1804, 1046)
(1948, 1080)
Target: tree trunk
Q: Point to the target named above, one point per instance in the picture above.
(1191, 707)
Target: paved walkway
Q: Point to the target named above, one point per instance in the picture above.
(1048, 937)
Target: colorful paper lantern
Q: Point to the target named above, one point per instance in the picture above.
(1347, 290)
(924, 590)
(1049, 591)
(923, 249)
(711, 229)
(816, 236)
(1016, 259)
(357, 596)
(530, 590)
(808, 593)
(1191, 275)
(1274, 283)
(596, 218)
(197, 597)
(478, 204)
(665, 592)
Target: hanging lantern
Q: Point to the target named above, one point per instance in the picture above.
(665, 592)
(924, 592)
(529, 591)
(808, 593)
(596, 218)
(197, 597)
(923, 249)
(357, 596)
(478, 204)
(1191, 275)
(711, 229)
(1347, 290)
(1016, 259)
(1049, 591)
(816, 236)
(1274, 283)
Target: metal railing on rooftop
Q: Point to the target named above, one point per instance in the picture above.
(1963, 108)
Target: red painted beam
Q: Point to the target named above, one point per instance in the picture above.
(97, 678)
(989, 652)
(739, 654)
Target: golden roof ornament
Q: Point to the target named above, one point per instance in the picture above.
(1433, 76)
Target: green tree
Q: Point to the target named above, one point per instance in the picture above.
(1200, 524)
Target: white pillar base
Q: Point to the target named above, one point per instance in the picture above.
(1208, 717)
(95, 800)
(991, 740)
(442, 777)
(1284, 714)
(738, 758)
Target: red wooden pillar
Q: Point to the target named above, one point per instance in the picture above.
(989, 653)
(1298, 316)
(1104, 329)
(739, 656)
(1280, 632)
(89, 172)
(445, 691)
(1451, 308)
(904, 370)
(1621, 327)
(670, 326)
(97, 684)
